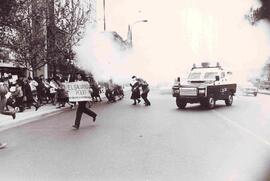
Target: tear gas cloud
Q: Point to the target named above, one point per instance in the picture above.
(178, 33)
(101, 56)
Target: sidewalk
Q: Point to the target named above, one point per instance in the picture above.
(267, 92)
(30, 115)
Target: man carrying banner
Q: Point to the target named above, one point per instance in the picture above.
(79, 91)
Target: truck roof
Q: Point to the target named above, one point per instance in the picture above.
(206, 69)
(217, 67)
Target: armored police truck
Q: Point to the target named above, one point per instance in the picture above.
(205, 85)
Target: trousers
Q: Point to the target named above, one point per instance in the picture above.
(82, 109)
(144, 96)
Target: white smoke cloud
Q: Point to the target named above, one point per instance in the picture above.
(178, 34)
(100, 55)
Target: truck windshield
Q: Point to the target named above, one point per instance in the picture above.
(210, 75)
(195, 75)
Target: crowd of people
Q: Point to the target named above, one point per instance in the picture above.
(29, 92)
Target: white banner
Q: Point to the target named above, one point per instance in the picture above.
(78, 91)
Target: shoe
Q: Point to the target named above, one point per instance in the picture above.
(14, 115)
(75, 127)
(94, 119)
(36, 107)
(2, 145)
(134, 104)
(139, 101)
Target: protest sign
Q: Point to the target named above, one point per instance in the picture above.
(78, 91)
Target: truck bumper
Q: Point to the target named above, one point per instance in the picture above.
(196, 99)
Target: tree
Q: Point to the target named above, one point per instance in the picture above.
(42, 32)
(254, 16)
(18, 32)
(261, 13)
(70, 20)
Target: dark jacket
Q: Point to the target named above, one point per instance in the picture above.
(135, 88)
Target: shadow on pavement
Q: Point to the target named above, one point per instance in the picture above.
(199, 108)
(248, 95)
(86, 127)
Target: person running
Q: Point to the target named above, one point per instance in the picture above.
(29, 96)
(82, 109)
(95, 93)
(145, 91)
(3, 100)
(33, 86)
(53, 90)
(135, 89)
(18, 95)
(109, 94)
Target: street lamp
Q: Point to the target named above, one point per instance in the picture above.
(129, 37)
(140, 21)
(104, 15)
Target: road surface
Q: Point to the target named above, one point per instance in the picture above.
(159, 142)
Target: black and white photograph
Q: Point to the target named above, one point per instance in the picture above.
(134, 90)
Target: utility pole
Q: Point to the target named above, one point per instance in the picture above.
(104, 18)
(129, 37)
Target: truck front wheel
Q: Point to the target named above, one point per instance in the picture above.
(180, 103)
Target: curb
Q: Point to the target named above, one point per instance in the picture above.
(36, 118)
(265, 93)
(32, 119)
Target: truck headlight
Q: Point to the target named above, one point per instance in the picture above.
(201, 91)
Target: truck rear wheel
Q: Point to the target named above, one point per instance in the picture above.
(229, 100)
(180, 103)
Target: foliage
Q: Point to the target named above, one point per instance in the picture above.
(40, 32)
(260, 13)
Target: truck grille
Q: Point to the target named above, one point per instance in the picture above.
(188, 92)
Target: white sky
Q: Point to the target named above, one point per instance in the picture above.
(180, 33)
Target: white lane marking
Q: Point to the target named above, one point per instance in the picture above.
(260, 139)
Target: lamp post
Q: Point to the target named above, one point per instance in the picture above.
(129, 36)
(104, 16)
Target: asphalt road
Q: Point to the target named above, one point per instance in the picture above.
(155, 143)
